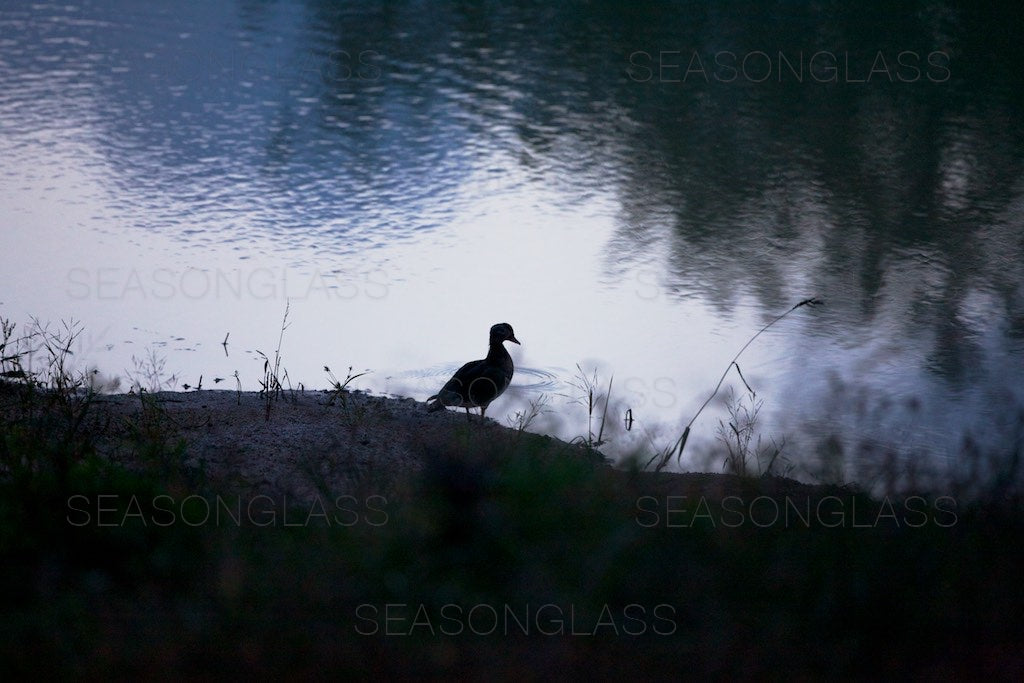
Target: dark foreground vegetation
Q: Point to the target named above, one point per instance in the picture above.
(507, 556)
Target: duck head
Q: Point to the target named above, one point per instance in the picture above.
(503, 332)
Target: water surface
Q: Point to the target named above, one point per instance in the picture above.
(637, 188)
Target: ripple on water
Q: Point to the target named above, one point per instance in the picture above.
(536, 379)
(528, 379)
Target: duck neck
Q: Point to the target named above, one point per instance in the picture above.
(497, 352)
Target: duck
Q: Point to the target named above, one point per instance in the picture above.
(479, 382)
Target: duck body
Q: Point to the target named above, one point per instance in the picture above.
(479, 382)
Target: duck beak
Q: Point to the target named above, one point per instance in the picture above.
(512, 338)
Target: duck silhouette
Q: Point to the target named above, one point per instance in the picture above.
(479, 382)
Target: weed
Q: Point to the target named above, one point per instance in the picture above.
(52, 402)
(738, 434)
(10, 352)
(271, 387)
(591, 400)
(523, 418)
(150, 374)
(353, 413)
(677, 448)
(339, 389)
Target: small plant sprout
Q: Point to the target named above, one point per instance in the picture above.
(522, 419)
(340, 388)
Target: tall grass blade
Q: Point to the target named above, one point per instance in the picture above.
(813, 301)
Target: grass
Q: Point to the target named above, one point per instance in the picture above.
(110, 563)
(536, 407)
(339, 388)
(665, 455)
(149, 373)
(746, 455)
(271, 386)
(590, 398)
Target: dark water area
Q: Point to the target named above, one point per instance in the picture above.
(637, 187)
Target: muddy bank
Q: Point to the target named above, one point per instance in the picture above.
(309, 443)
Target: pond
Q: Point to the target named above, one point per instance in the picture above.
(637, 188)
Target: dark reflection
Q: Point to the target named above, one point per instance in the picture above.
(743, 145)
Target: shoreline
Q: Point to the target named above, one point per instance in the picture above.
(355, 442)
